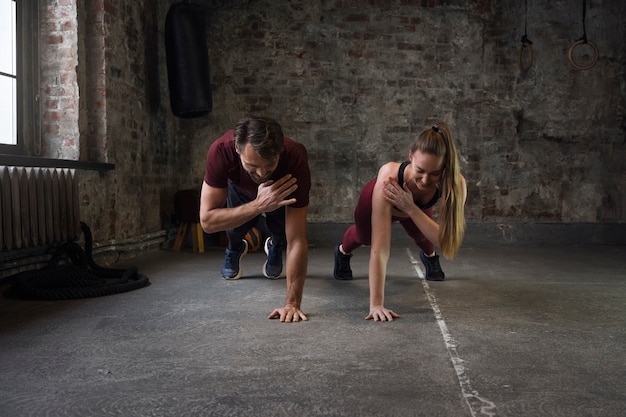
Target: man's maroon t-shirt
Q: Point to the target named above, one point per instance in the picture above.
(223, 164)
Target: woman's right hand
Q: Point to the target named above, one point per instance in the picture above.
(380, 313)
(399, 197)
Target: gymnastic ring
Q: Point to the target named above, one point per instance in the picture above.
(522, 67)
(571, 52)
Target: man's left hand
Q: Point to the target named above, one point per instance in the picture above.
(288, 314)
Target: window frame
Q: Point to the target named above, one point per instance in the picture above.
(27, 77)
(12, 75)
(30, 138)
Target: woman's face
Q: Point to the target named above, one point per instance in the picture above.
(425, 171)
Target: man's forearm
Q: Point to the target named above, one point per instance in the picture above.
(220, 219)
(297, 258)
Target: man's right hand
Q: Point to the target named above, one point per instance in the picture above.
(273, 194)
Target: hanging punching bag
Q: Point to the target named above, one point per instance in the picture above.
(187, 61)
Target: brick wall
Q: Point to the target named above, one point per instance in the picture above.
(357, 80)
(354, 81)
(58, 81)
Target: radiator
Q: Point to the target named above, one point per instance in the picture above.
(38, 206)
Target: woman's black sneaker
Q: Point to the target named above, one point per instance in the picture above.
(433, 269)
(342, 265)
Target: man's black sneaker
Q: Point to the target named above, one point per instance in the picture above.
(433, 269)
(231, 268)
(273, 266)
(342, 269)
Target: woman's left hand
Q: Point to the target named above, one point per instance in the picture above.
(380, 313)
(397, 196)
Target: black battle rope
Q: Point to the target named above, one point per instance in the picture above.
(583, 41)
(526, 44)
(83, 278)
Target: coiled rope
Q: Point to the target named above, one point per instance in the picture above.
(80, 278)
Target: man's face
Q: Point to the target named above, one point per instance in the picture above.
(259, 169)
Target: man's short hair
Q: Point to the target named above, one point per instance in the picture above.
(263, 133)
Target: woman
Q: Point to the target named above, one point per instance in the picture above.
(407, 192)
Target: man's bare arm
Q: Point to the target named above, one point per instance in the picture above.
(297, 253)
(297, 260)
(215, 217)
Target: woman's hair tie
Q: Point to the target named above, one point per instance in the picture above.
(436, 129)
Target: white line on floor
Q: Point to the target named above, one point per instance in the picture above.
(478, 406)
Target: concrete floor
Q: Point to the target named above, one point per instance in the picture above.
(513, 331)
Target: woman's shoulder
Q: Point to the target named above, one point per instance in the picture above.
(389, 169)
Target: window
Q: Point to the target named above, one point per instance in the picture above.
(19, 79)
(38, 84)
(8, 73)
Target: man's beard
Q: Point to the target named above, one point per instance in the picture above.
(259, 180)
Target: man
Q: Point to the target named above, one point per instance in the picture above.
(254, 170)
